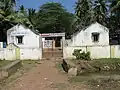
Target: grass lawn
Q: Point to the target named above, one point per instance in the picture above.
(4, 62)
(107, 60)
(106, 80)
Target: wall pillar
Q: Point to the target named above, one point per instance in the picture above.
(40, 42)
(63, 41)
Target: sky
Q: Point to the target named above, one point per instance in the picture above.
(68, 4)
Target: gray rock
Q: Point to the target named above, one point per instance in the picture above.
(5, 74)
(72, 72)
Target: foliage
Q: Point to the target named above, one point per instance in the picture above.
(22, 17)
(99, 11)
(6, 17)
(81, 55)
(83, 12)
(10, 17)
(52, 17)
(32, 15)
(105, 12)
(107, 63)
(114, 21)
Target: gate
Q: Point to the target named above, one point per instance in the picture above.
(50, 49)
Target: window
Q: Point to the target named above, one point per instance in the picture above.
(20, 39)
(95, 36)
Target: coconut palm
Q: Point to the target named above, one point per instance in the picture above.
(22, 17)
(83, 13)
(115, 4)
(114, 14)
(10, 17)
(100, 11)
(6, 12)
(31, 15)
(6, 16)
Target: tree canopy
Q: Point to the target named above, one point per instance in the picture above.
(53, 17)
(106, 12)
(9, 17)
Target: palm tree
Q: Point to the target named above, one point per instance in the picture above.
(31, 15)
(21, 17)
(100, 10)
(115, 13)
(83, 12)
(6, 16)
(115, 4)
(6, 12)
(10, 17)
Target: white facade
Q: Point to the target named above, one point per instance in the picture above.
(30, 53)
(97, 52)
(94, 38)
(23, 37)
(25, 54)
(86, 37)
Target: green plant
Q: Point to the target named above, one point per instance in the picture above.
(79, 54)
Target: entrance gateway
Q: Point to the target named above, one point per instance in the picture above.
(52, 44)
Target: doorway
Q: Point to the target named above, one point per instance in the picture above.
(58, 42)
(52, 44)
(54, 49)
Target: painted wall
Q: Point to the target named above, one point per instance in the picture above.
(30, 39)
(97, 51)
(25, 53)
(84, 37)
(7, 54)
(32, 54)
(115, 51)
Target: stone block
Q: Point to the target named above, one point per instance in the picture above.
(72, 72)
(4, 74)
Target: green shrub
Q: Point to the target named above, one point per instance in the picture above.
(81, 55)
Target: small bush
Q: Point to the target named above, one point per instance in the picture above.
(81, 55)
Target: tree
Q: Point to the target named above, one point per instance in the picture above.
(115, 14)
(10, 17)
(83, 13)
(52, 17)
(22, 17)
(89, 11)
(6, 17)
(100, 11)
(6, 10)
(32, 15)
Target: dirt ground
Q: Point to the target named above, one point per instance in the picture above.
(44, 76)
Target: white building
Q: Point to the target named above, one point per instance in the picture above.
(28, 42)
(95, 34)
(23, 37)
(93, 38)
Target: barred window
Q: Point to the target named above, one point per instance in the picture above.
(95, 37)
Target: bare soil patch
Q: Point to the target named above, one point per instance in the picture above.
(44, 76)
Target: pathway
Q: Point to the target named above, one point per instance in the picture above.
(44, 77)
